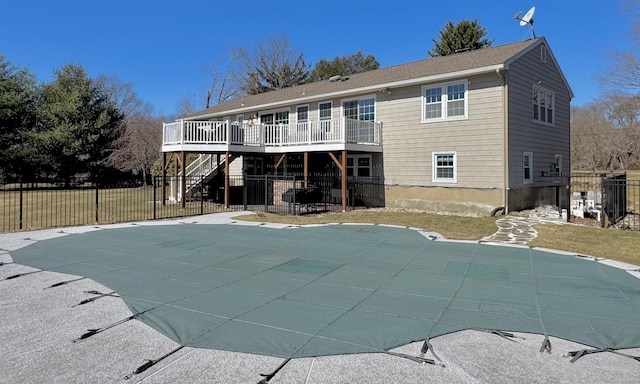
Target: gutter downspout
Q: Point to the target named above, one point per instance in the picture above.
(505, 141)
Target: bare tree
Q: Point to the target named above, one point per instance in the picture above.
(588, 132)
(225, 80)
(188, 105)
(606, 135)
(137, 148)
(623, 112)
(623, 75)
(124, 96)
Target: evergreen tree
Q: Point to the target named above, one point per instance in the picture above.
(18, 97)
(344, 66)
(76, 125)
(467, 35)
(274, 65)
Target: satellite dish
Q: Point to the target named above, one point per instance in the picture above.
(526, 19)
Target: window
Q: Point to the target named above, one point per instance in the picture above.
(363, 109)
(527, 167)
(324, 111)
(359, 165)
(455, 100)
(448, 101)
(444, 167)
(282, 117)
(433, 103)
(543, 53)
(542, 101)
(302, 113)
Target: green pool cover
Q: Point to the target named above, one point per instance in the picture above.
(341, 289)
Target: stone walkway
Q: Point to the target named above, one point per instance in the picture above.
(518, 228)
(513, 230)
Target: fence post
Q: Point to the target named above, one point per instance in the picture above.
(202, 194)
(244, 190)
(20, 210)
(155, 202)
(97, 202)
(295, 190)
(266, 193)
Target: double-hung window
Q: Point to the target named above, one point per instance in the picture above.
(444, 102)
(444, 167)
(543, 105)
(324, 111)
(302, 114)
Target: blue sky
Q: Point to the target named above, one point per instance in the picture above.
(162, 46)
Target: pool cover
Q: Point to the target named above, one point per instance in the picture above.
(342, 289)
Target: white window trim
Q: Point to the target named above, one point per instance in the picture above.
(434, 167)
(530, 179)
(537, 87)
(543, 53)
(444, 116)
(331, 109)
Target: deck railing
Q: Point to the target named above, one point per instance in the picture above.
(305, 133)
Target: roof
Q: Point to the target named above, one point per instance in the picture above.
(431, 69)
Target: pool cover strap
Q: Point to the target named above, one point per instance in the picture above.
(582, 352)
(151, 363)
(95, 331)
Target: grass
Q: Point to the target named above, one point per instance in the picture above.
(612, 244)
(605, 243)
(49, 208)
(451, 227)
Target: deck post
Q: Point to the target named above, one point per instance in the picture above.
(344, 180)
(226, 179)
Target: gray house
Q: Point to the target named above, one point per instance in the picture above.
(474, 132)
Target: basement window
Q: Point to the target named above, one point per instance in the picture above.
(444, 167)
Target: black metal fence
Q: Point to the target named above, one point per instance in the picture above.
(53, 203)
(605, 199)
(294, 195)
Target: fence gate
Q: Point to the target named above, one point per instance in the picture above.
(614, 198)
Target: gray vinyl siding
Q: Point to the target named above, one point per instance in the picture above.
(525, 134)
(477, 141)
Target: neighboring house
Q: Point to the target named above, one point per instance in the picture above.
(472, 132)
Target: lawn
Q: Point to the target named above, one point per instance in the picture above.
(605, 243)
(49, 208)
